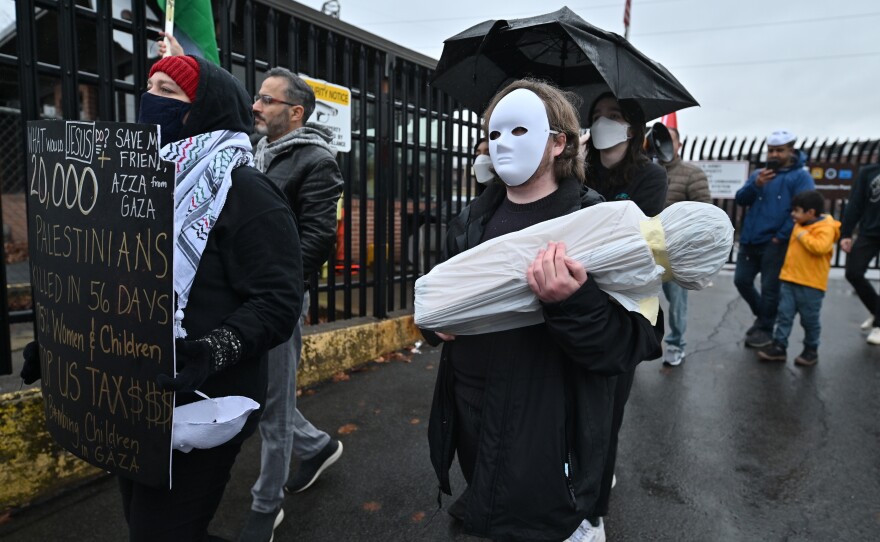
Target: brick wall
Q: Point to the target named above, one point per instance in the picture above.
(15, 216)
(370, 218)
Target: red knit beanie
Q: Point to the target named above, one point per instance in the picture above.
(184, 70)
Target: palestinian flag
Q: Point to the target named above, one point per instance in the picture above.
(194, 28)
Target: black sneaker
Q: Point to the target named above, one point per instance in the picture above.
(808, 358)
(773, 352)
(310, 469)
(260, 526)
(758, 339)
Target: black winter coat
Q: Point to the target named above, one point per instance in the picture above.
(539, 414)
(863, 207)
(247, 280)
(647, 188)
(309, 176)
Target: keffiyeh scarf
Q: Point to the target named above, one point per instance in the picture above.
(203, 176)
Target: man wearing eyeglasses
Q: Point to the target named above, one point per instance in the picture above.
(297, 156)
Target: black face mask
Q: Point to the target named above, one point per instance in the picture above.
(168, 113)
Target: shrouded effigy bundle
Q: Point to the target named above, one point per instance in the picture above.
(627, 254)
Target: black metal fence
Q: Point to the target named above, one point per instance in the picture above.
(406, 175)
(754, 150)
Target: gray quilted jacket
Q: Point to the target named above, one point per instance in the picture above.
(686, 183)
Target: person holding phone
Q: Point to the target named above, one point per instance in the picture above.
(766, 228)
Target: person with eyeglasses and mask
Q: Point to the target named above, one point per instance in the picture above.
(298, 157)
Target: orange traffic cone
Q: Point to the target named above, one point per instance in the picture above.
(340, 243)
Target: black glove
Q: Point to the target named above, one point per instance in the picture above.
(213, 352)
(195, 357)
(31, 371)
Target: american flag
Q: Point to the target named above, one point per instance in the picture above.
(626, 11)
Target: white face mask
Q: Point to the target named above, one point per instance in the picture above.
(517, 157)
(607, 133)
(483, 169)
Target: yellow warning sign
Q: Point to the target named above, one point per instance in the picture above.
(332, 111)
(330, 93)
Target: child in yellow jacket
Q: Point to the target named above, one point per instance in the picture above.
(804, 277)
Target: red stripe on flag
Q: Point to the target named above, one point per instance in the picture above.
(670, 120)
(626, 13)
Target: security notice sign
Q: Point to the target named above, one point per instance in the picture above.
(725, 176)
(332, 110)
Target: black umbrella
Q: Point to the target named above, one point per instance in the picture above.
(559, 47)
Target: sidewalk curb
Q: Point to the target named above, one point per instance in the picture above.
(33, 467)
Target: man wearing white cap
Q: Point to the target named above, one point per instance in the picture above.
(766, 228)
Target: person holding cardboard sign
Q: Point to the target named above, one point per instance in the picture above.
(239, 291)
(238, 285)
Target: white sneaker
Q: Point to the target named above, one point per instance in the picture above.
(673, 356)
(587, 533)
(868, 324)
(874, 336)
(613, 480)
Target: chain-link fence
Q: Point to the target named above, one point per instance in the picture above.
(12, 176)
(12, 187)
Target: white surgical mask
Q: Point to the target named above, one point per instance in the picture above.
(483, 169)
(517, 157)
(607, 133)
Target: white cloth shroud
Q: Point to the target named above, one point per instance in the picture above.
(484, 289)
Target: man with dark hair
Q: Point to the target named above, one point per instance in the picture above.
(766, 228)
(298, 158)
(528, 411)
(686, 183)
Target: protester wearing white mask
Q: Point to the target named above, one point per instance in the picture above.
(483, 169)
(509, 394)
(607, 133)
(482, 165)
(616, 164)
(518, 135)
(618, 168)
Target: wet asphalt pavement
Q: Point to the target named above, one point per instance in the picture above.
(724, 447)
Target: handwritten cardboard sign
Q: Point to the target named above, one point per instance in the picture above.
(100, 224)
